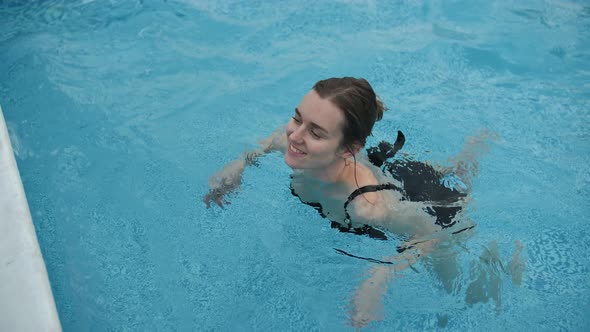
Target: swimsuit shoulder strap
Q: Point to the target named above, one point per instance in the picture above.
(367, 189)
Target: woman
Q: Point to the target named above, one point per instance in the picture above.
(321, 143)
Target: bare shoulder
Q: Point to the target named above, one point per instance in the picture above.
(370, 207)
(362, 177)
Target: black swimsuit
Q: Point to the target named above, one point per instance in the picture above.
(421, 183)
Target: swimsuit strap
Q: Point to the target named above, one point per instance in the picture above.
(366, 189)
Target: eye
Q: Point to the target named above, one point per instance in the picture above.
(296, 119)
(315, 135)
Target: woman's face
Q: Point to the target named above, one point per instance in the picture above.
(314, 134)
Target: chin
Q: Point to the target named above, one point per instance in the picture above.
(291, 163)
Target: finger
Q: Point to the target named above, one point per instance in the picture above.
(219, 201)
(207, 201)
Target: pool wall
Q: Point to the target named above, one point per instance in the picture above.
(26, 301)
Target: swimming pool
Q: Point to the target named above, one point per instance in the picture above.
(119, 111)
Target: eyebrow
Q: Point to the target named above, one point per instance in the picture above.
(312, 124)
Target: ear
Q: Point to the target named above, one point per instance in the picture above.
(349, 151)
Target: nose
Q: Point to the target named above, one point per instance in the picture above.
(297, 134)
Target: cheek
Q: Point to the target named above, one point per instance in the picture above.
(324, 148)
(290, 128)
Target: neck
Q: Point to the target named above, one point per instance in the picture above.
(333, 173)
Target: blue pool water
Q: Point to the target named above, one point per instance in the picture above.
(119, 111)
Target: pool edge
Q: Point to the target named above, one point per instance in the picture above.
(26, 300)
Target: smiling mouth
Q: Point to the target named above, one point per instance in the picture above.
(295, 150)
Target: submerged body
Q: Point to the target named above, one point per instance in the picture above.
(399, 203)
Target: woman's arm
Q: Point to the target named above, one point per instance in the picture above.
(386, 211)
(229, 178)
(382, 209)
(367, 302)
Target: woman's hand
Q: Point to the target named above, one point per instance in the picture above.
(367, 303)
(224, 183)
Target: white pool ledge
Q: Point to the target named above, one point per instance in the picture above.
(26, 301)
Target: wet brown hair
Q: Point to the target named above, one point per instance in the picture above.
(359, 104)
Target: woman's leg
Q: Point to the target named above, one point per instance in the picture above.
(465, 164)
